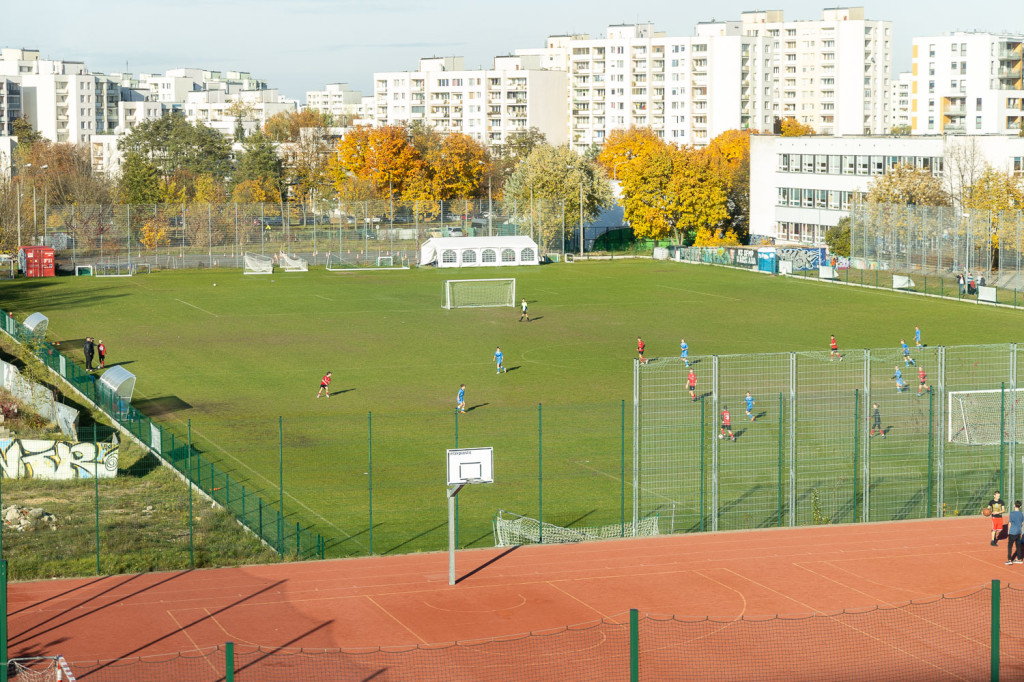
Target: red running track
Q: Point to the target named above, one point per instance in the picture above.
(406, 600)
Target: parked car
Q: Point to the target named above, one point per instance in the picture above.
(456, 232)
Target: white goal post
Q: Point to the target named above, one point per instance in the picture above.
(293, 263)
(113, 269)
(255, 264)
(986, 417)
(479, 293)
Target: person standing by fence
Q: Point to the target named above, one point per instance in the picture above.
(1013, 548)
(997, 508)
(876, 421)
(88, 350)
(102, 351)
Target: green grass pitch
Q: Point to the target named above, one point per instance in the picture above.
(235, 357)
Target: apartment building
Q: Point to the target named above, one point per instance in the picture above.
(899, 100)
(487, 104)
(222, 109)
(968, 83)
(338, 100)
(801, 186)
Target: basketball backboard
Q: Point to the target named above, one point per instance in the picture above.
(470, 465)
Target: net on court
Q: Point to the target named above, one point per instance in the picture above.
(479, 293)
(40, 669)
(293, 263)
(256, 264)
(513, 529)
(986, 417)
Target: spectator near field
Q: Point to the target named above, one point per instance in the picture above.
(524, 314)
(917, 336)
(684, 351)
(834, 347)
(640, 348)
(876, 421)
(460, 406)
(907, 360)
(691, 385)
(498, 357)
(997, 507)
(325, 386)
(749, 400)
(88, 350)
(726, 424)
(101, 350)
(901, 384)
(1013, 547)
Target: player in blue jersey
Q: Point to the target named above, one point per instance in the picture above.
(907, 360)
(460, 406)
(901, 384)
(917, 336)
(684, 351)
(749, 400)
(498, 357)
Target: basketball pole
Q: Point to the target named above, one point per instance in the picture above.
(453, 490)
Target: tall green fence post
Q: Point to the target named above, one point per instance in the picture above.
(634, 645)
(369, 472)
(994, 635)
(1002, 436)
(931, 444)
(96, 498)
(622, 472)
(191, 516)
(3, 620)
(856, 450)
(229, 662)
(456, 497)
(540, 476)
(701, 510)
(280, 483)
(779, 503)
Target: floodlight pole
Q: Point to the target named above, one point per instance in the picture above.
(453, 490)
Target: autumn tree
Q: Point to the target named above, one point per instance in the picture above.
(729, 156)
(549, 177)
(790, 127)
(625, 144)
(904, 184)
(456, 167)
(995, 190)
(382, 155)
(287, 126)
(259, 162)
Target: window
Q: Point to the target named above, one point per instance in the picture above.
(783, 196)
(489, 256)
(821, 162)
(849, 164)
(783, 161)
(977, 122)
(834, 163)
(862, 165)
(449, 256)
(508, 255)
(808, 164)
(469, 256)
(1018, 165)
(527, 255)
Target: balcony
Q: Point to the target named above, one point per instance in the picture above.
(955, 111)
(1004, 72)
(955, 128)
(1010, 55)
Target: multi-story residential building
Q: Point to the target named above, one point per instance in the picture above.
(488, 105)
(337, 100)
(832, 74)
(801, 186)
(968, 82)
(10, 104)
(223, 108)
(899, 101)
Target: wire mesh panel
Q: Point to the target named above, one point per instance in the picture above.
(752, 463)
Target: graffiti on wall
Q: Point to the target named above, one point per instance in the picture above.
(57, 460)
(744, 257)
(802, 259)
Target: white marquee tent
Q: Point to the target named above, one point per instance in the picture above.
(465, 252)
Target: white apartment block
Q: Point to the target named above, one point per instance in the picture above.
(219, 109)
(900, 95)
(801, 186)
(968, 82)
(337, 100)
(487, 104)
(10, 103)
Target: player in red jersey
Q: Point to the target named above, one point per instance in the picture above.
(834, 346)
(726, 424)
(691, 385)
(325, 386)
(640, 348)
(922, 385)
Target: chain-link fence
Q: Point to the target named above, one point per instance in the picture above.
(856, 436)
(357, 232)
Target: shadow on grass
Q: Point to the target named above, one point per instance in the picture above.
(415, 537)
(158, 407)
(470, 409)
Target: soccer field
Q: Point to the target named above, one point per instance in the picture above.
(236, 357)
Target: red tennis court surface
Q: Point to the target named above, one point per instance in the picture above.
(382, 601)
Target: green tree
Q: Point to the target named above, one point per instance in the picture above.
(259, 162)
(838, 238)
(139, 182)
(549, 176)
(171, 143)
(26, 134)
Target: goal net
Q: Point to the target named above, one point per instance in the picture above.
(513, 529)
(986, 417)
(385, 262)
(41, 669)
(255, 264)
(293, 263)
(479, 293)
(113, 270)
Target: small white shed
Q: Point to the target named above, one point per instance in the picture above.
(467, 252)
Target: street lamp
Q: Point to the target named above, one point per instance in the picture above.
(35, 221)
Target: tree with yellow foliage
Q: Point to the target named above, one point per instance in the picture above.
(456, 167)
(623, 145)
(381, 155)
(152, 235)
(729, 156)
(904, 184)
(793, 128)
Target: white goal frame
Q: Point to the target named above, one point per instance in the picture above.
(122, 269)
(292, 263)
(257, 259)
(83, 271)
(508, 301)
(960, 428)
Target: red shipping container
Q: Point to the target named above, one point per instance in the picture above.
(37, 261)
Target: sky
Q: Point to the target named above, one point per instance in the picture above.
(301, 45)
